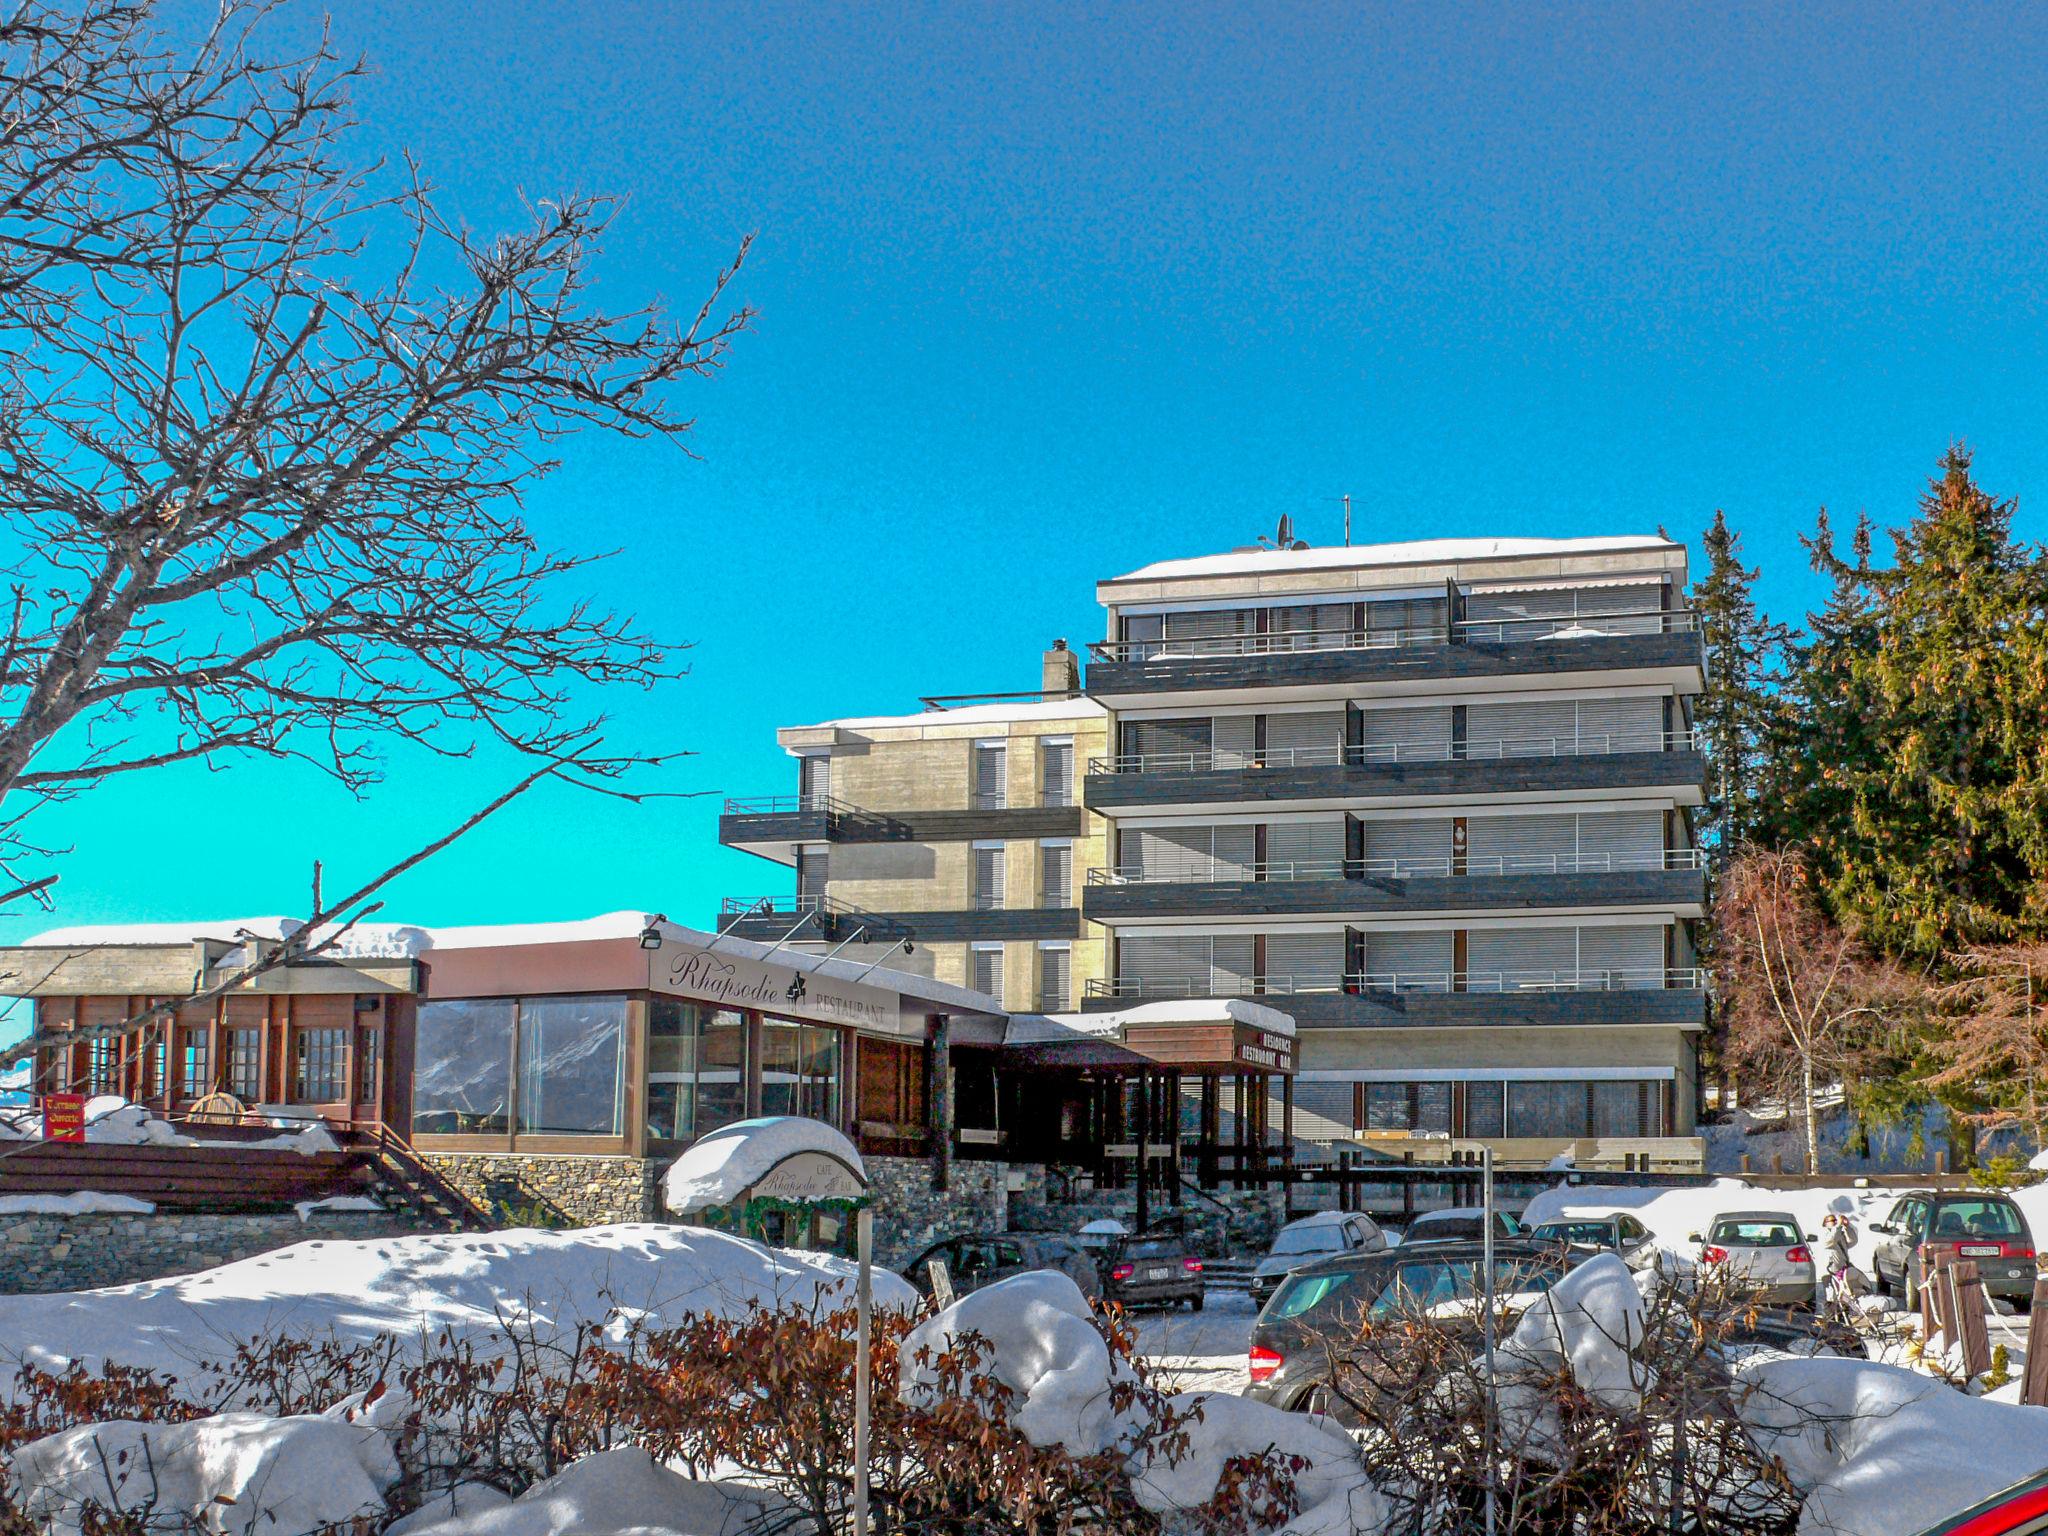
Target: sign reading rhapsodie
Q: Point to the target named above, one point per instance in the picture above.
(804, 1177)
(731, 980)
(63, 1117)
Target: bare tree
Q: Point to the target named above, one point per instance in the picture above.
(1992, 1050)
(265, 421)
(1800, 994)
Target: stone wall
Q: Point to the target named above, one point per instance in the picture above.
(1223, 1224)
(910, 1215)
(71, 1253)
(571, 1190)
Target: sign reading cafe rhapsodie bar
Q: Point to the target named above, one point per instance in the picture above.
(734, 981)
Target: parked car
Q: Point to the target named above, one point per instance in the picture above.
(1321, 1236)
(1322, 1303)
(2021, 1510)
(1988, 1229)
(1617, 1232)
(1154, 1269)
(1764, 1253)
(1457, 1224)
(1100, 1237)
(982, 1258)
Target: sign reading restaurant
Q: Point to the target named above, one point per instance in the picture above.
(734, 981)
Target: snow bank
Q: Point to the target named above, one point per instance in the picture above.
(1672, 1215)
(308, 1209)
(237, 1474)
(720, 1166)
(1041, 1344)
(1589, 1325)
(410, 1287)
(614, 1493)
(85, 1202)
(1879, 1450)
(1333, 1492)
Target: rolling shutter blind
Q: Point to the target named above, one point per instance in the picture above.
(1300, 850)
(1056, 876)
(1621, 725)
(991, 778)
(1410, 733)
(988, 878)
(1167, 853)
(1183, 739)
(1304, 962)
(1641, 601)
(1424, 844)
(988, 971)
(1236, 848)
(1164, 961)
(1417, 958)
(1237, 740)
(1638, 952)
(1415, 619)
(1322, 1112)
(1521, 844)
(1054, 968)
(1521, 729)
(811, 864)
(814, 778)
(1231, 969)
(1208, 624)
(1519, 955)
(1633, 838)
(1313, 736)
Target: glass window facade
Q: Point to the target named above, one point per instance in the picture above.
(696, 1068)
(572, 1056)
(317, 1065)
(462, 1071)
(800, 1070)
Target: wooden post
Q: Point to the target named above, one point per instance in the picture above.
(1966, 1316)
(1933, 1304)
(1211, 1129)
(1144, 1148)
(2034, 1389)
(939, 1098)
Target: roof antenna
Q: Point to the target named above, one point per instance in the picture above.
(1347, 519)
(1283, 536)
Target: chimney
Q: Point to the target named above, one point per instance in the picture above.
(1059, 671)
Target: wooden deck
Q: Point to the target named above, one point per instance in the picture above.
(216, 1178)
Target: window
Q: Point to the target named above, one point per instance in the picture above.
(195, 1072)
(1055, 875)
(696, 1069)
(245, 1061)
(1621, 1109)
(369, 1061)
(800, 1070)
(103, 1064)
(1055, 970)
(1386, 1107)
(571, 1054)
(814, 781)
(1056, 772)
(985, 970)
(462, 1071)
(1547, 1109)
(812, 871)
(1485, 1109)
(990, 786)
(319, 1065)
(987, 876)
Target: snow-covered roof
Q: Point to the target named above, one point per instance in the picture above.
(1204, 1010)
(1078, 707)
(1245, 562)
(722, 1165)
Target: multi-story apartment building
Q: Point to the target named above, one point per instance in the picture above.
(958, 830)
(1434, 801)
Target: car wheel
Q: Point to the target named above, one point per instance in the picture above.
(1195, 1302)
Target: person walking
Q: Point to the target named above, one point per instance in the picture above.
(1838, 1237)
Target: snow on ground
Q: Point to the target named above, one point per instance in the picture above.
(721, 1165)
(84, 1202)
(112, 1121)
(1200, 1351)
(409, 1287)
(614, 1493)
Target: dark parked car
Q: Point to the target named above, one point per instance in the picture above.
(982, 1258)
(1617, 1233)
(1154, 1269)
(1323, 1303)
(1457, 1225)
(1986, 1229)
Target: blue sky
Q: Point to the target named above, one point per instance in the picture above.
(1047, 292)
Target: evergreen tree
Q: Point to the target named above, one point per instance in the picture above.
(1920, 781)
(1738, 714)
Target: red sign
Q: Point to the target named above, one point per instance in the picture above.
(63, 1117)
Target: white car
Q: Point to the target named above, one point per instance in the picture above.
(1763, 1253)
(1321, 1236)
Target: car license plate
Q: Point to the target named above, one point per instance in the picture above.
(1977, 1250)
(1159, 1272)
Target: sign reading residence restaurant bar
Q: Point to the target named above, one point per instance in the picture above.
(734, 981)
(1264, 1050)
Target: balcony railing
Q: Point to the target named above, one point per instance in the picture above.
(1679, 978)
(1581, 744)
(791, 907)
(788, 805)
(1214, 871)
(1658, 621)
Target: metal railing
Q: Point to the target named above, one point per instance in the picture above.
(1287, 984)
(1215, 871)
(1647, 621)
(1364, 754)
(788, 805)
(778, 906)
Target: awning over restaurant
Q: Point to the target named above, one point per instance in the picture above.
(1225, 1035)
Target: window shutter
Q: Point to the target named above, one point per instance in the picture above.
(1621, 725)
(1521, 844)
(988, 877)
(991, 787)
(1313, 736)
(1304, 962)
(988, 971)
(1237, 740)
(814, 779)
(1411, 733)
(1532, 729)
(1185, 739)
(1422, 845)
(1056, 877)
(811, 872)
(1638, 952)
(1054, 971)
(1417, 959)
(1298, 850)
(1519, 955)
(1634, 839)
(1056, 773)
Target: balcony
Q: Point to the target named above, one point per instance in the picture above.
(1367, 888)
(1661, 646)
(1437, 999)
(815, 919)
(1581, 767)
(772, 826)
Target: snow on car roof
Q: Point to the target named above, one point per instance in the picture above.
(1362, 556)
